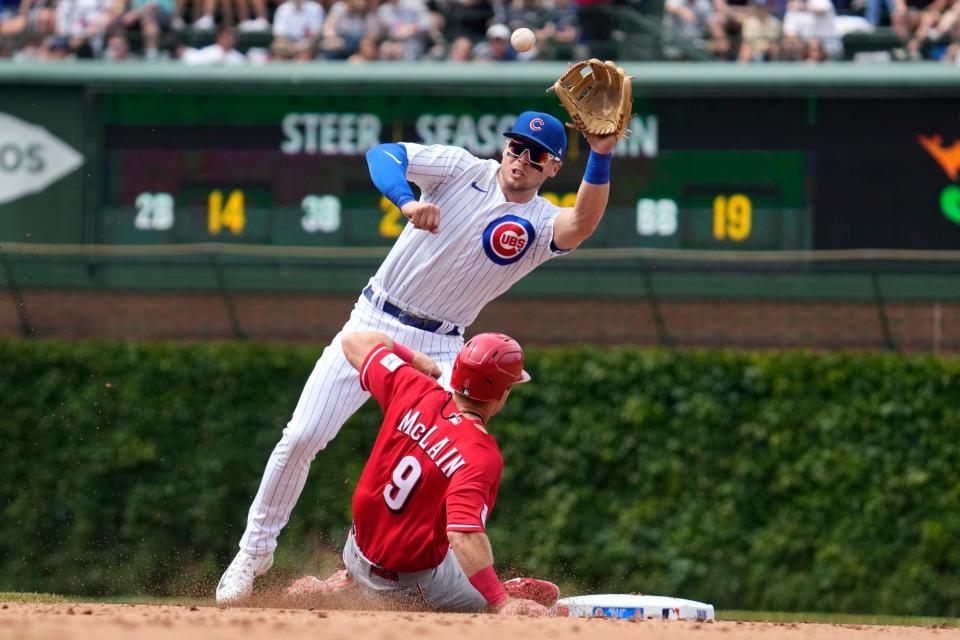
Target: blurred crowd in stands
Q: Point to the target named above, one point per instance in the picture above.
(260, 31)
(820, 30)
(208, 31)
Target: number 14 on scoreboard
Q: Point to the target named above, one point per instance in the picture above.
(230, 215)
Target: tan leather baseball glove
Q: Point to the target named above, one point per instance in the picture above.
(598, 96)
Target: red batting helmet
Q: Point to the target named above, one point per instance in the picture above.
(487, 365)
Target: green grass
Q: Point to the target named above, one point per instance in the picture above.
(33, 598)
(51, 598)
(838, 618)
(200, 602)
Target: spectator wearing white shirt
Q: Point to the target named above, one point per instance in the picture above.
(813, 19)
(223, 51)
(83, 23)
(297, 25)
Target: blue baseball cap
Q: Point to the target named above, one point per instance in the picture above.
(541, 128)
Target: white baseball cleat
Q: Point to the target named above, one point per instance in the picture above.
(237, 581)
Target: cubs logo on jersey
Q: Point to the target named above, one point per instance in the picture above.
(507, 238)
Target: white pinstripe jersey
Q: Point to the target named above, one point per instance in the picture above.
(485, 243)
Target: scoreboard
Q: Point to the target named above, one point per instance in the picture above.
(684, 199)
(761, 159)
(192, 174)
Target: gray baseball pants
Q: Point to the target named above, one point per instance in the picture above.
(445, 587)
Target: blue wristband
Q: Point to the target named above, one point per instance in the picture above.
(598, 168)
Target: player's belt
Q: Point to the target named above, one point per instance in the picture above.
(410, 319)
(384, 573)
(375, 569)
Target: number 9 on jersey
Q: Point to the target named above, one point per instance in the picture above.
(405, 478)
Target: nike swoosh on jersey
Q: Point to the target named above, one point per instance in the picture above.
(395, 158)
(475, 186)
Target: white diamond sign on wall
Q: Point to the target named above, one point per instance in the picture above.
(31, 158)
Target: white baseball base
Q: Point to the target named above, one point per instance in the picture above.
(624, 605)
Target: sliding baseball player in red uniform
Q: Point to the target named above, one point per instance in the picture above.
(421, 506)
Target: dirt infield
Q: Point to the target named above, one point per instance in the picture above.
(165, 622)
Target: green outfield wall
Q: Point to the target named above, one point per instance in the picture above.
(771, 481)
(721, 158)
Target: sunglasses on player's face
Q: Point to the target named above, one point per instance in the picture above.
(539, 156)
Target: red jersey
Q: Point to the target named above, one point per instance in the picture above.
(431, 469)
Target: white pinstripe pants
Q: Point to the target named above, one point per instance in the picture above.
(332, 394)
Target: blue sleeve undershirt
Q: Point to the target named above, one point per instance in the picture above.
(388, 168)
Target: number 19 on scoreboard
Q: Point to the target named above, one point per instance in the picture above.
(732, 217)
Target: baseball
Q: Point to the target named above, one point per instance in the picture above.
(523, 39)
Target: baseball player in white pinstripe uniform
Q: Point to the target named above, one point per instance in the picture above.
(478, 227)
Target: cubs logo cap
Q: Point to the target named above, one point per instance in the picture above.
(541, 128)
